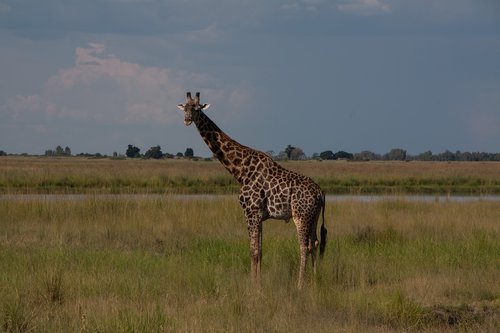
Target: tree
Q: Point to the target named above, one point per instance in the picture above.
(446, 156)
(425, 156)
(288, 151)
(2, 153)
(294, 153)
(327, 155)
(465, 156)
(282, 156)
(366, 155)
(344, 155)
(133, 151)
(189, 153)
(396, 154)
(297, 154)
(154, 152)
(59, 151)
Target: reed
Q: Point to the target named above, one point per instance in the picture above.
(166, 264)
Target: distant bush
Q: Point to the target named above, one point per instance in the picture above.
(154, 152)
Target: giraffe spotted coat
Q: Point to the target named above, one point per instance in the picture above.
(268, 191)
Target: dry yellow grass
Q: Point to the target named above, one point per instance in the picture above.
(163, 264)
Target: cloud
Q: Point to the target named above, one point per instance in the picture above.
(198, 21)
(102, 87)
(207, 35)
(365, 7)
(55, 19)
(311, 6)
(19, 105)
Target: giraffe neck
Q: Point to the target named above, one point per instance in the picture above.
(228, 151)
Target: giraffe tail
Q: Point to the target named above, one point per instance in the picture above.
(323, 232)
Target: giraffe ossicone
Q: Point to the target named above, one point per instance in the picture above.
(268, 191)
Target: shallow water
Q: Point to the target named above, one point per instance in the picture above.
(413, 198)
(211, 197)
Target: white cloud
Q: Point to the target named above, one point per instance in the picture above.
(102, 87)
(207, 35)
(18, 105)
(365, 7)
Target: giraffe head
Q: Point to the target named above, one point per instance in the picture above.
(192, 108)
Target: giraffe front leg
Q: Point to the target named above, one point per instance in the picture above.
(255, 234)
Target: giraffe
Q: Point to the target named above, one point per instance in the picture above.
(267, 190)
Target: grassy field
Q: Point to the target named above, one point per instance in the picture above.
(80, 175)
(181, 265)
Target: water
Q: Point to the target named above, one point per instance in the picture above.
(413, 198)
(214, 197)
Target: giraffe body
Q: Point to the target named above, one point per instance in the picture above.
(268, 191)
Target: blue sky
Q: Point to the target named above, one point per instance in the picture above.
(349, 75)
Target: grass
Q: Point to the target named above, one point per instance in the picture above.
(79, 175)
(29, 175)
(161, 264)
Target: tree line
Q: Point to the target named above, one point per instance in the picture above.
(395, 154)
(294, 153)
(398, 154)
(156, 153)
(59, 151)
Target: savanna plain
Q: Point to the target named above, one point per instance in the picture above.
(120, 246)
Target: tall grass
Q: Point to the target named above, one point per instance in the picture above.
(79, 175)
(164, 264)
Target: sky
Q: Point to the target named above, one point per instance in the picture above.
(350, 75)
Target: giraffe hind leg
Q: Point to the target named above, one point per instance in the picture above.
(304, 248)
(313, 242)
(308, 244)
(302, 266)
(308, 248)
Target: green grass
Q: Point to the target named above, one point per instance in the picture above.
(164, 264)
(78, 175)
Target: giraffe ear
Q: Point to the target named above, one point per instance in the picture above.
(205, 106)
(180, 106)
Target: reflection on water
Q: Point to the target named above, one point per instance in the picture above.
(212, 197)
